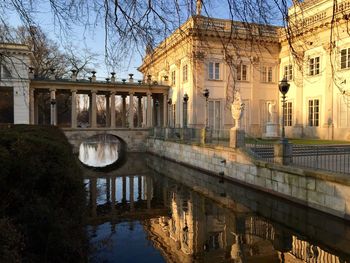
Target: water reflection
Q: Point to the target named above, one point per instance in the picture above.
(204, 225)
(100, 150)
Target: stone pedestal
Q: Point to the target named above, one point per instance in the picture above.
(205, 136)
(271, 130)
(283, 153)
(236, 138)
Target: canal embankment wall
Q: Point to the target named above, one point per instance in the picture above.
(321, 190)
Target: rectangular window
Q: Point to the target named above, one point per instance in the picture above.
(345, 58)
(214, 70)
(185, 73)
(288, 112)
(173, 78)
(242, 72)
(314, 66)
(266, 74)
(288, 72)
(314, 112)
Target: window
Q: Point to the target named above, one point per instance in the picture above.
(242, 72)
(214, 115)
(185, 73)
(173, 78)
(288, 112)
(266, 74)
(5, 73)
(345, 58)
(314, 112)
(214, 70)
(288, 72)
(314, 66)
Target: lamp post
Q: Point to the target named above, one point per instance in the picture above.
(283, 87)
(284, 151)
(170, 104)
(185, 99)
(206, 95)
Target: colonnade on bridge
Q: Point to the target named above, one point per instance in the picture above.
(150, 109)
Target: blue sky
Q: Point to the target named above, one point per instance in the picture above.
(93, 39)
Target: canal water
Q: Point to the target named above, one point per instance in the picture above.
(154, 210)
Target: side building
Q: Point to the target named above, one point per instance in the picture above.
(315, 58)
(14, 83)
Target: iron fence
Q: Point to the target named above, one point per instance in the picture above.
(334, 158)
(260, 149)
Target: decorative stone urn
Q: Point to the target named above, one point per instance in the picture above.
(237, 108)
(236, 133)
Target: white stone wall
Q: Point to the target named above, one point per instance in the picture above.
(16, 60)
(324, 191)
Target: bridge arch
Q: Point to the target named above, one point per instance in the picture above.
(134, 139)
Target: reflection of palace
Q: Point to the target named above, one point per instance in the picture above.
(200, 230)
(188, 227)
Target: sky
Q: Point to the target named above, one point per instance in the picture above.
(93, 39)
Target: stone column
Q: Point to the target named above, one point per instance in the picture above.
(131, 110)
(112, 109)
(165, 110)
(139, 188)
(149, 191)
(113, 194)
(53, 120)
(108, 111)
(32, 108)
(139, 111)
(74, 109)
(108, 190)
(131, 192)
(149, 110)
(93, 196)
(123, 110)
(90, 109)
(93, 108)
(124, 189)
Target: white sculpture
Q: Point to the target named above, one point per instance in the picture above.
(237, 108)
(271, 124)
(272, 112)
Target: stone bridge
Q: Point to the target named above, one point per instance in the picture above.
(134, 139)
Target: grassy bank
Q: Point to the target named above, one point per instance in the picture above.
(41, 197)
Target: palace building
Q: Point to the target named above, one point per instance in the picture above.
(225, 56)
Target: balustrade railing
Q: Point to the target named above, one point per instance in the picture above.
(333, 158)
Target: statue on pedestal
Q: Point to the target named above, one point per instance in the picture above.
(271, 124)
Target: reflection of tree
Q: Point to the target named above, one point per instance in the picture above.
(99, 150)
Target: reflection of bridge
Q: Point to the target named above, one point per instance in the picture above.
(124, 198)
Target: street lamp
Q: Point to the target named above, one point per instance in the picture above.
(185, 99)
(283, 87)
(206, 95)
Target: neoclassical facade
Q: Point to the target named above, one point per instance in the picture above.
(224, 56)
